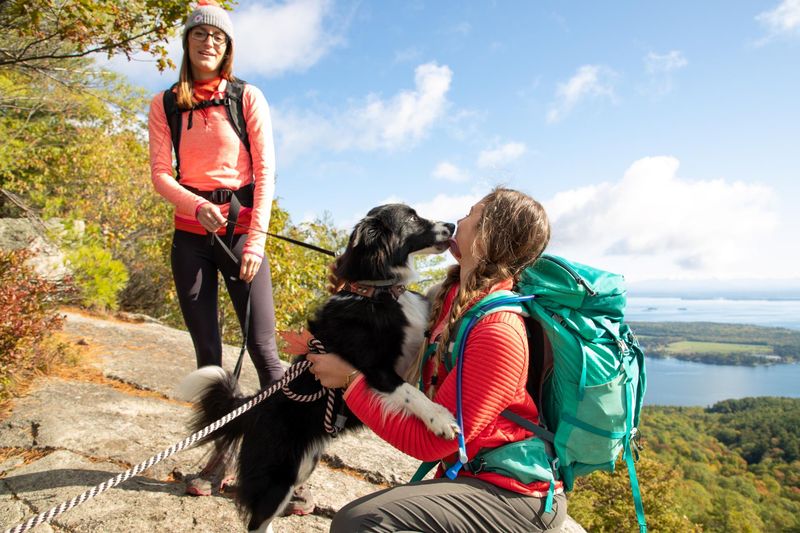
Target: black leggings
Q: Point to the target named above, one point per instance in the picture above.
(195, 263)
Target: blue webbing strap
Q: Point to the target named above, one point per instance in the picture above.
(548, 502)
(637, 494)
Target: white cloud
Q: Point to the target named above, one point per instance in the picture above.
(783, 20)
(502, 155)
(442, 207)
(273, 38)
(447, 208)
(665, 63)
(655, 224)
(447, 171)
(374, 123)
(589, 81)
(660, 69)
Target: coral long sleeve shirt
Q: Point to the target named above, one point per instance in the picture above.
(212, 157)
(495, 371)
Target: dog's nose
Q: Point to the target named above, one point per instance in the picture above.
(450, 227)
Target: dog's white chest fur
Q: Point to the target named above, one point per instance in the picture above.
(415, 308)
(407, 398)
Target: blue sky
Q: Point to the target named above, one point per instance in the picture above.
(661, 137)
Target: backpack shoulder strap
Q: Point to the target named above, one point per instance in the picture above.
(537, 430)
(491, 303)
(494, 302)
(234, 105)
(173, 116)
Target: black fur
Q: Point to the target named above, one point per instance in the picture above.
(369, 333)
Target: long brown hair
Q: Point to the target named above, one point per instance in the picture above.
(186, 80)
(512, 232)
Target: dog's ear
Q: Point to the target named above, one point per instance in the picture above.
(369, 252)
(367, 232)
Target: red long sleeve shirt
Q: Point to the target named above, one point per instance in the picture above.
(494, 374)
(213, 156)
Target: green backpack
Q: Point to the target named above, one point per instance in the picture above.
(586, 375)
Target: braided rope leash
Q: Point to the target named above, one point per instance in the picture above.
(294, 371)
(315, 346)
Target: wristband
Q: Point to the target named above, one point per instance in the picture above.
(349, 379)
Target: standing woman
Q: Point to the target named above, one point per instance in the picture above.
(215, 168)
(502, 234)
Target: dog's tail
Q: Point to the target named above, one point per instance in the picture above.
(215, 393)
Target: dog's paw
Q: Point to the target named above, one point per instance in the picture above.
(440, 421)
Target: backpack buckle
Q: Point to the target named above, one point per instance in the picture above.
(479, 468)
(623, 348)
(636, 443)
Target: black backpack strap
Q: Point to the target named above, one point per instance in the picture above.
(234, 105)
(537, 430)
(173, 115)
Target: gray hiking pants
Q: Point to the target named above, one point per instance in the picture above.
(463, 505)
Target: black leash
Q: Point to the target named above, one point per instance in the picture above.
(288, 239)
(232, 222)
(238, 368)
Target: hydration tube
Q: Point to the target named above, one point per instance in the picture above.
(452, 472)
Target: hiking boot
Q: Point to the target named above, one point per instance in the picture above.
(228, 482)
(198, 486)
(301, 503)
(202, 483)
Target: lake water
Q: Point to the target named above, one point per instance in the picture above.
(776, 313)
(674, 382)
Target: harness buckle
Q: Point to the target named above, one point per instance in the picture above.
(220, 196)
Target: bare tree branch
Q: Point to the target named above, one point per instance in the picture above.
(72, 55)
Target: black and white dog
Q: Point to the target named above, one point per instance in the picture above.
(373, 323)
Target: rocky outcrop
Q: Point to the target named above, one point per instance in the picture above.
(73, 432)
(46, 259)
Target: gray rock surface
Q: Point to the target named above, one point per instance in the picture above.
(46, 260)
(67, 436)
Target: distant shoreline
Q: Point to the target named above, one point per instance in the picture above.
(718, 343)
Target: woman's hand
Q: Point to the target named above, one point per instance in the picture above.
(250, 265)
(210, 217)
(331, 370)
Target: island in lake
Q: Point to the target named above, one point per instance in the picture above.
(720, 344)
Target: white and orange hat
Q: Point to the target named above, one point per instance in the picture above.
(209, 12)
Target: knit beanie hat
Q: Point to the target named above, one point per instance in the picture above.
(209, 12)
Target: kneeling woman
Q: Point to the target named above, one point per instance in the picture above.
(502, 234)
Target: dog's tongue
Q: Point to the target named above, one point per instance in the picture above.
(454, 249)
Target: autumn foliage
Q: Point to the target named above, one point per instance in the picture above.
(27, 316)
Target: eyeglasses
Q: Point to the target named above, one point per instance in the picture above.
(219, 38)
